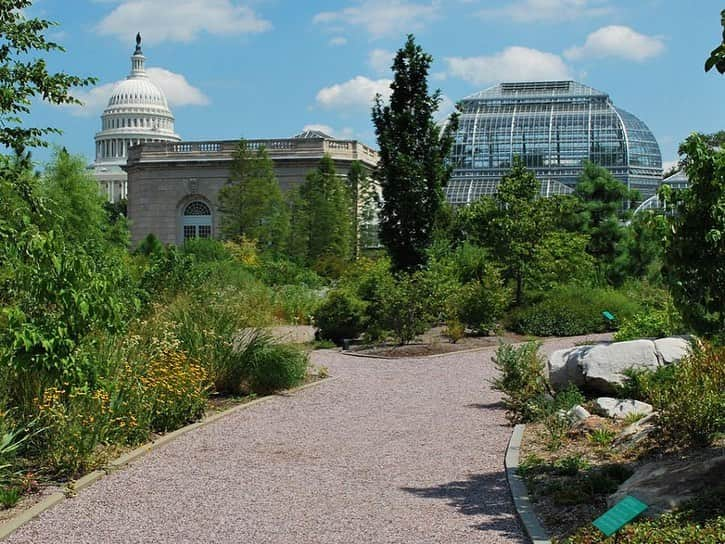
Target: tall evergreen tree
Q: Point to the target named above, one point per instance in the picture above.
(322, 215)
(412, 170)
(251, 202)
(603, 199)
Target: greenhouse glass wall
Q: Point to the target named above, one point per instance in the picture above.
(554, 126)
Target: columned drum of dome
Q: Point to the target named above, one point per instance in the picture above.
(554, 126)
(137, 113)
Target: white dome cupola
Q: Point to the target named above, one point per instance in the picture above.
(137, 113)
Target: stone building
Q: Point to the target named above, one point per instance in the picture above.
(137, 113)
(173, 186)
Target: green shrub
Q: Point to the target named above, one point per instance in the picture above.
(169, 272)
(691, 403)
(149, 246)
(341, 316)
(639, 382)
(404, 309)
(273, 367)
(295, 304)
(9, 496)
(569, 397)
(573, 310)
(522, 381)
(480, 304)
(652, 324)
(281, 271)
(206, 250)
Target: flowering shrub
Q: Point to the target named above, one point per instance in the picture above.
(75, 422)
(177, 389)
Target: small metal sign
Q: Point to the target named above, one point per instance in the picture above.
(619, 515)
(608, 316)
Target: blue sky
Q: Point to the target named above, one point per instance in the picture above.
(269, 68)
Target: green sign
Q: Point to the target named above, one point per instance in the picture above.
(608, 316)
(619, 515)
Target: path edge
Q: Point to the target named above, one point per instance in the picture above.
(524, 509)
(73, 487)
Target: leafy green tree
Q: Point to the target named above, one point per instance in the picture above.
(695, 250)
(78, 210)
(25, 76)
(412, 170)
(511, 224)
(717, 55)
(602, 213)
(251, 202)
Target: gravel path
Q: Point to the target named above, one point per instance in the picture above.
(392, 451)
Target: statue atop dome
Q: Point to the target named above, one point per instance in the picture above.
(138, 44)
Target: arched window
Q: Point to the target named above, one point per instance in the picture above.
(196, 221)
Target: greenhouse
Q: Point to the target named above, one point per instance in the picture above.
(555, 127)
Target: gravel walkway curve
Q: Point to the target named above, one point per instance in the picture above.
(392, 451)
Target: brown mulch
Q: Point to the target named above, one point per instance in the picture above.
(435, 342)
(562, 520)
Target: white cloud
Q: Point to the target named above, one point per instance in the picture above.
(529, 11)
(617, 41)
(94, 100)
(338, 40)
(511, 64)
(180, 20)
(380, 60)
(178, 91)
(358, 93)
(345, 133)
(383, 17)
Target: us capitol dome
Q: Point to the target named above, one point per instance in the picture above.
(137, 112)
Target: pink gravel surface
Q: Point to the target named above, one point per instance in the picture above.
(392, 451)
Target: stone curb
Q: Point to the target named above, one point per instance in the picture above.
(72, 488)
(536, 533)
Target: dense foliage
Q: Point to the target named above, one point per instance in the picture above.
(695, 251)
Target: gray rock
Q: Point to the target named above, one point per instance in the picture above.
(578, 413)
(605, 406)
(671, 350)
(664, 485)
(564, 367)
(620, 409)
(603, 365)
(635, 433)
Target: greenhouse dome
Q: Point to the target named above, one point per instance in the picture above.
(555, 127)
